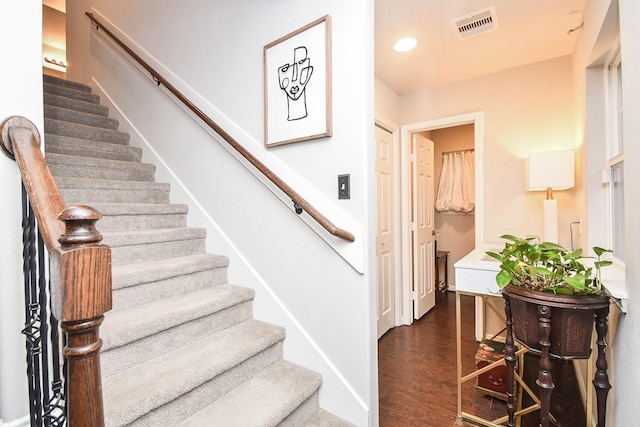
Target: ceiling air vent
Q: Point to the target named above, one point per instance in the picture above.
(475, 23)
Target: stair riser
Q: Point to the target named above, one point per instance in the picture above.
(65, 83)
(68, 146)
(154, 291)
(73, 104)
(150, 251)
(73, 116)
(140, 173)
(120, 358)
(172, 413)
(140, 222)
(70, 93)
(57, 127)
(302, 413)
(104, 195)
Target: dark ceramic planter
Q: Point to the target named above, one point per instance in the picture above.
(572, 320)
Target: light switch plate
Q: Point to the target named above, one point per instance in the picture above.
(344, 187)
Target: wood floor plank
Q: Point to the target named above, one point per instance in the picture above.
(417, 374)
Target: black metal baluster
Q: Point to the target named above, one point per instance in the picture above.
(44, 371)
(31, 329)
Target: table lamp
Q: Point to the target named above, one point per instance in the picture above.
(548, 171)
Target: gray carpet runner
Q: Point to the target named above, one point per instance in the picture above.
(180, 346)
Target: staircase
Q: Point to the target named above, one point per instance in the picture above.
(180, 347)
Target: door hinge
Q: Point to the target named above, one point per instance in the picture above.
(414, 295)
(413, 226)
(412, 157)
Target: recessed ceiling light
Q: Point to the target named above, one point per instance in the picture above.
(405, 44)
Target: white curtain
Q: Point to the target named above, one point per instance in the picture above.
(456, 188)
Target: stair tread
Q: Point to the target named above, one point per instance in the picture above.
(125, 326)
(77, 130)
(64, 82)
(96, 183)
(71, 93)
(323, 418)
(140, 208)
(67, 159)
(127, 275)
(136, 237)
(266, 399)
(75, 104)
(80, 117)
(134, 392)
(53, 142)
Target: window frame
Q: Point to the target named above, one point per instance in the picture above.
(614, 143)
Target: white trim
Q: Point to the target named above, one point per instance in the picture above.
(20, 422)
(477, 119)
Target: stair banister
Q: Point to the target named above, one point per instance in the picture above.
(298, 201)
(80, 270)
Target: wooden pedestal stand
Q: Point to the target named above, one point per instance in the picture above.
(557, 327)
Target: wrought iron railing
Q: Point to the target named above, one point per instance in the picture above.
(43, 340)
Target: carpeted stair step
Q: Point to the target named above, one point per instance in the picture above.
(74, 104)
(72, 93)
(56, 144)
(85, 167)
(140, 216)
(144, 282)
(80, 117)
(284, 394)
(142, 333)
(166, 390)
(74, 130)
(144, 245)
(90, 191)
(323, 418)
(65, 83)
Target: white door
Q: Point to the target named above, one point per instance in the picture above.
(422, 226)
(385, 233)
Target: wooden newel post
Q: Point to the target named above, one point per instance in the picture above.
(81, 294)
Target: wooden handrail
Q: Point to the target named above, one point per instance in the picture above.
(295, 197)
(79, 268)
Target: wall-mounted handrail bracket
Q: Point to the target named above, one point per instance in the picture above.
(298, 208)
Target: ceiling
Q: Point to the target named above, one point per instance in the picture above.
(528, 31)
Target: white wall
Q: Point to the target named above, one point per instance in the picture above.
(386, 103)
(526, 109)
(21, 94)
(213, 52)
(595, 39)
(627, 343)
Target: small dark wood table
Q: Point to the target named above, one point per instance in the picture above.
(546, 315)
(442, 257)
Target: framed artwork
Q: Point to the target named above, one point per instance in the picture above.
(297, 85)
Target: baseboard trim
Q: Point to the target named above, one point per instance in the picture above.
(20, 422)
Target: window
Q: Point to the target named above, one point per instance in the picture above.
(615, 158)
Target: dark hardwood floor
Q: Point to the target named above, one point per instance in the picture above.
(417, 374)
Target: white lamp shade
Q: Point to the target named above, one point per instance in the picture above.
(553, 169)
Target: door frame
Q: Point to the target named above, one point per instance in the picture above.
(477, 119)
(396, 203)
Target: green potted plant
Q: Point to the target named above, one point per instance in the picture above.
(534, 275)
